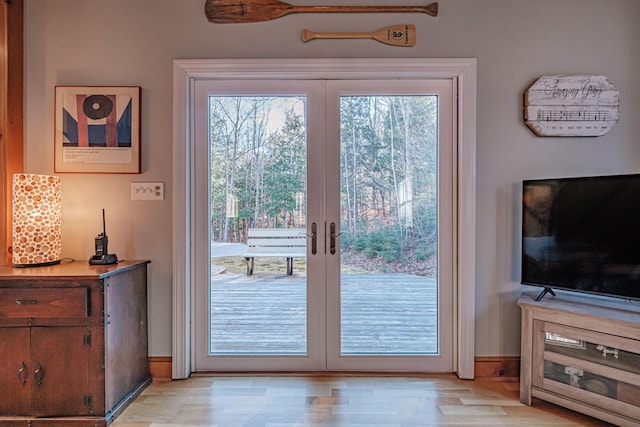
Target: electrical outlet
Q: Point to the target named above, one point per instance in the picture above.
(147, 191)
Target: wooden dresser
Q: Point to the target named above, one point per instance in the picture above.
(73, 343)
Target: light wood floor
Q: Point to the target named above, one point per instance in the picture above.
(340, 400)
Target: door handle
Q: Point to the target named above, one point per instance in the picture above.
(314, 236)
(22, 373)
(38, 374)
(332, 238)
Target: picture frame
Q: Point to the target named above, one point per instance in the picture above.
(97, 129)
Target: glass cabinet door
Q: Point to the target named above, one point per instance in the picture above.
(601, 365)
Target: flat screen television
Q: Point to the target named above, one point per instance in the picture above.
(582, 234)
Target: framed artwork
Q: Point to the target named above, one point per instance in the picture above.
(97, 129)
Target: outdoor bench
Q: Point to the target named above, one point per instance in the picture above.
(289, 243)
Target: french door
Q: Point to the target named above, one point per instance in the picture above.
(364, 170)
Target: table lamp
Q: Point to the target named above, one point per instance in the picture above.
(37, 220)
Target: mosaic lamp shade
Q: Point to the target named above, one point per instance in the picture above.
(37, 220)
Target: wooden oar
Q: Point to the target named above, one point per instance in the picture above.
(241, 11)
(395, 35)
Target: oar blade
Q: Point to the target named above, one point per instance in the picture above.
(245, 11)
(397, 35)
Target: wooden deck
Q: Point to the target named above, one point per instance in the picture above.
(381, 314)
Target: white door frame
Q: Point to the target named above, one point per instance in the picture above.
(186, 72)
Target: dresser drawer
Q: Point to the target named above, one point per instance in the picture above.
(44, 302)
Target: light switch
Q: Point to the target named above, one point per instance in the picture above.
(147, 191)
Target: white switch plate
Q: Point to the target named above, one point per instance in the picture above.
(147, 190)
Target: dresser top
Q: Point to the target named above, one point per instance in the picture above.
(69, 269)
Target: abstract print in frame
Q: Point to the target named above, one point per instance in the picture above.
(97, 129)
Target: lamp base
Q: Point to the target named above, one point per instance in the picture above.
(41, 264)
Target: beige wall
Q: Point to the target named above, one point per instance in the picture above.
(133, 42)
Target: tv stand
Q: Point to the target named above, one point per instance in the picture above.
(546, 290)
(582, 352)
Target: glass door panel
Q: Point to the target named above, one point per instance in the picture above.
(258, 195)
(389, 233)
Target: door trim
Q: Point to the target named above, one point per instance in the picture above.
(186, 72)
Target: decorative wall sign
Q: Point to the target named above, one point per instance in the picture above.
(97, 129)
(575, 105)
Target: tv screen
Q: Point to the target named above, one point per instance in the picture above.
(582, 234)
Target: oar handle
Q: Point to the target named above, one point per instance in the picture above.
(310, 35)
(431, 9)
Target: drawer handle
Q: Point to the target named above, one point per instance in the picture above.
(38, 374)
(22, 374)
(26, 301)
